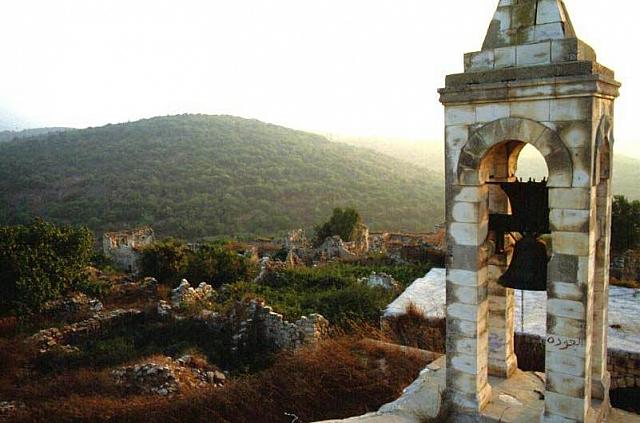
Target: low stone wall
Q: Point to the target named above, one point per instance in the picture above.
(47, 339)
(624, 366)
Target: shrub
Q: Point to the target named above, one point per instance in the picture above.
(625, 226)
(166, 260)
(39, 262)
(342, 223)
(217, 265)
(171, 260)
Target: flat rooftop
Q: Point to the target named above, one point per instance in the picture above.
(429, 294)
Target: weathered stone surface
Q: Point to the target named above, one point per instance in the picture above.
(380, 280)
(533, 82)
(185, 295)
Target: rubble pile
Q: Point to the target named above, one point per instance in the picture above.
(168, 378)
(75, 303)
(185, 294)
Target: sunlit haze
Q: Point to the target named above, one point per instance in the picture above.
(349, 67)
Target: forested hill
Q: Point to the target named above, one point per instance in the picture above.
(26, 133)
(195, 175)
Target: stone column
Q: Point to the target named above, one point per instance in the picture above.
(570, 306)
(601, 379)
(502, 358)
(467, 300)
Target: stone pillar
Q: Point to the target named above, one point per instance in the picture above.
(467, 300)
(570, 306)
(601, 379)
(502, 358)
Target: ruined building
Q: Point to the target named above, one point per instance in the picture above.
(124, 247)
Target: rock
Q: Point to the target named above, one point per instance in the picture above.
(95, 305)
(10, 408)
(382, 279)
(333, 247)
(164, 309)
(166, 379)
(219, 376)
(149, 282)
(185, 294)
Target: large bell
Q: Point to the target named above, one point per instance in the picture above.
(528, 268)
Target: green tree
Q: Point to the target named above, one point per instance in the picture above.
(625, 226)
(217, 265)
(38, 262)
(167, 260)
(171, 260)
(342, 223)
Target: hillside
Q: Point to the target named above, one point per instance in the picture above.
(197, 175)
(26, 133)
(429, 155)
(426, 154)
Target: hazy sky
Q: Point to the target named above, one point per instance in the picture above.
(353, 67)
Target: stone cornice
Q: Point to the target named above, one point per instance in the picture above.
(575, 79)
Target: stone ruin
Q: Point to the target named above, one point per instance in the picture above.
(124, 247)
(65, 337)
(333, 247)
(251, 323)
(260, 325)
(186, 295)
(299, 249)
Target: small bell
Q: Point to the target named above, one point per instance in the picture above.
(528, 268)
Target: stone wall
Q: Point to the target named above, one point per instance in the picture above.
(48, 339)
(624, 366)
(264, 327)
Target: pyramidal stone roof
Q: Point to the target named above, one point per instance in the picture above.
(528, 33)
(518, 22)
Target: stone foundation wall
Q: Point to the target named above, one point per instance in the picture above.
(624, 366)
(48, 339)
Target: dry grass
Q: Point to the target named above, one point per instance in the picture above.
(413, 329)
(337, 378)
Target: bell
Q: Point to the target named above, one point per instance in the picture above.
(528, 268)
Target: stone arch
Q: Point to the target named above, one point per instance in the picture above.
(545, 140)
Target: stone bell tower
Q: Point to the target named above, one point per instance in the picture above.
(534, 82)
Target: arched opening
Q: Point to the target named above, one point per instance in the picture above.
(502, 166)
(486, 170)
(531, 164)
